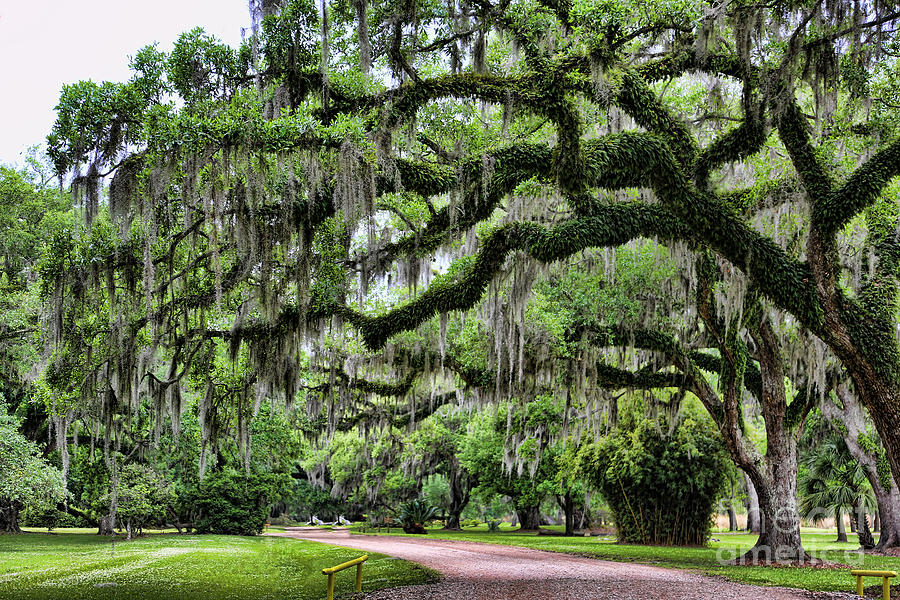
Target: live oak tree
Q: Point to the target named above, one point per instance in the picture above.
(504, 468)
(255, 210)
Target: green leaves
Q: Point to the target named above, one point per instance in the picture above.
(661, 489)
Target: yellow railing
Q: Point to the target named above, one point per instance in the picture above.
(332, 570)
(885, 581)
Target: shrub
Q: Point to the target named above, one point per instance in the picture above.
(230, 502)
(494, 525)
(661, 488)
(27, 480)
(414, 514)
(283, 520)
(48, 517)
(469, 523)
(52, 518)
(144, 495)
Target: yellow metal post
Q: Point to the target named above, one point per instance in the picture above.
(885, 581)
(330, 571)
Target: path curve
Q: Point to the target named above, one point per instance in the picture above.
(475, 571)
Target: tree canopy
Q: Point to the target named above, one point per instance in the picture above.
(379, 208)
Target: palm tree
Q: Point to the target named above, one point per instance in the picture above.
(832, 482)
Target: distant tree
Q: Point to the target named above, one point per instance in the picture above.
(144, 498)
(435, 447)
(26, 478)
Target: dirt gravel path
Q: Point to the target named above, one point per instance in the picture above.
(475, 571)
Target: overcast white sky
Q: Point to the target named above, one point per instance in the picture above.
(46, 43)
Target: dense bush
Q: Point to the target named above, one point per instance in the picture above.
(232, 502)
(661, 488)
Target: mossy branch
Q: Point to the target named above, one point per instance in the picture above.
(612, 226)
(738, 143)
(511, 166)
(614, 378)
(396, 415)
(794, 133)
(861, 189)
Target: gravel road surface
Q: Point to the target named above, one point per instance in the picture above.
(474, 571)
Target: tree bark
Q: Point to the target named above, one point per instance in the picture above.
(888, 517)
(841, 528)
(752, 506)
(852, 425)
(529, 517)
(459, 494)
(779, 518)
(774, 477)
(567, 503)
(9, 516)
(106, 525)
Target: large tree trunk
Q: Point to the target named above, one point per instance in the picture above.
(529, 517)
(850, 421)
(567, 504)
(9, 516)
(888, 516)
(106, 525)
(779, 519)
(774, 476)
(776, 482)
(779, 535)
(459, 495)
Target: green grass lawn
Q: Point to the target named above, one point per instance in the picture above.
(723, 548)
(37, 566)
